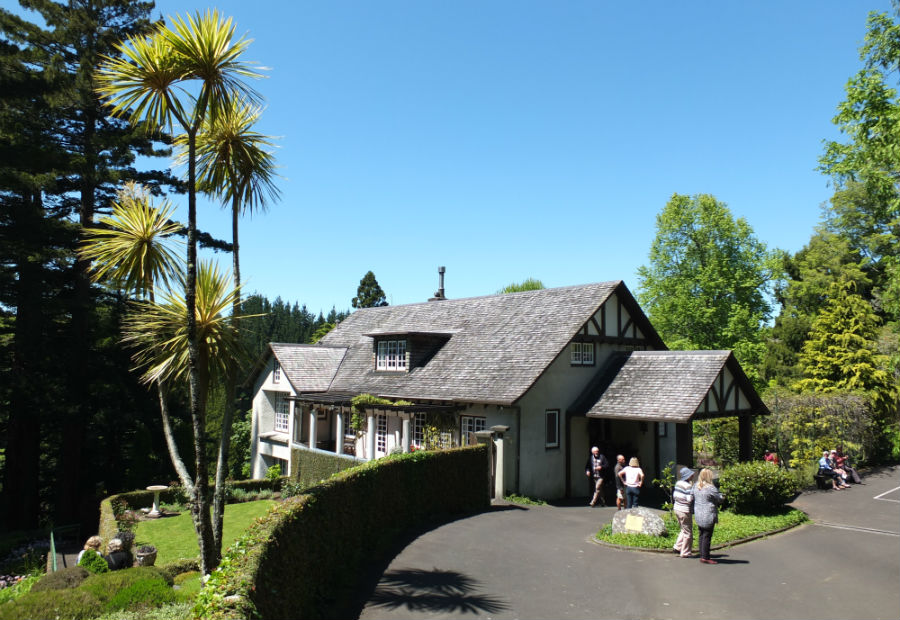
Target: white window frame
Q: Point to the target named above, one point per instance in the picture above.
(551, 421)
(470, 424)
(418, 429)
(582, 354)
(390, 355)
(282, 413)
(381, 433)
(276, 372)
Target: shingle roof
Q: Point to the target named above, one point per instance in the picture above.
(499, 345)
(665, 386)
(309, 368)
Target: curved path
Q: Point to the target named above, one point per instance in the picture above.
(539, 562)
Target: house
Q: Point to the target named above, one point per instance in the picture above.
(551, 372)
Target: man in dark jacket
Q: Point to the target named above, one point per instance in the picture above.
(595, 470)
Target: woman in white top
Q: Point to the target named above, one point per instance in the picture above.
(633, 477)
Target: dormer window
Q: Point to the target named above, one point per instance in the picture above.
(582, 354)
(391, 355)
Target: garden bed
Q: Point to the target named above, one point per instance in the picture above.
(732, 529)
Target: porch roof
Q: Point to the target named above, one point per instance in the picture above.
(670, 386)
(345, 399)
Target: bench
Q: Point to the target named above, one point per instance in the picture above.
(823, 481)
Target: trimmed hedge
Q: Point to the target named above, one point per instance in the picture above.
(757, 487)
(70, 577)
(308, 550)
(314, 466)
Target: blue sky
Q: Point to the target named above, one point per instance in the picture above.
(508, 140)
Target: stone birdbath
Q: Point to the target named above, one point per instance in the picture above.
(156, 488)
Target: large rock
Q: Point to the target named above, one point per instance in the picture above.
(638, 521)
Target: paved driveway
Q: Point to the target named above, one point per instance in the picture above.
(539, 562)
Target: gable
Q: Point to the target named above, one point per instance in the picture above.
(673, 386)
(619, 320)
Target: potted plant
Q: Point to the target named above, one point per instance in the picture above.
(145, 555)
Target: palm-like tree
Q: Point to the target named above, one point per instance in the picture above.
(132, 250)
(158, 334)
(152, 81)
(235, 164)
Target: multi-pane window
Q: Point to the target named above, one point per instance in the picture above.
(381, 433)
(348, 430)
(582, 353)
(469, 424)
(551, 418)
(282, 412)
(391, 355)
(276, 372)
(418, 429)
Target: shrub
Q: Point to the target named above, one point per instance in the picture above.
(757, 487)
(72, 604)
(290, 488)
(107, 585)
(273, 473)
(65, 578)
(93, 562)
(171, 570)
(142, 594)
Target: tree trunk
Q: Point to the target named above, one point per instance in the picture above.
(209, 557)
(23, 441)
(230, 388)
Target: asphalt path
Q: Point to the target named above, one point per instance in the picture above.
(540, 562)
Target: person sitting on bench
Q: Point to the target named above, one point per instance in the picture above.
(826, 468)
(841, 461)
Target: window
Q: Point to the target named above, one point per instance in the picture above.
(391, 355)
(381, 433)
(348, 430)
(662, 429)
(276, 372)
(582, 354)
(418, 429)
(282, 412)
(469, 424)
(551, 419)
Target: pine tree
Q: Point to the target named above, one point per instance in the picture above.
(841, 352)
(369, 293)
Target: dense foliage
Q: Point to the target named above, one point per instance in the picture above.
(757, 487)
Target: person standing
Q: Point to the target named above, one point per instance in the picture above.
(683, 498)
(620, 485)
(633, 477)
(595, 470)
(706, 511)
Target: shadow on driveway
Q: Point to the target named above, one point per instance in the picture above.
(434, 591)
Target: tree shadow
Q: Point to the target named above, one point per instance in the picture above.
(434, 591)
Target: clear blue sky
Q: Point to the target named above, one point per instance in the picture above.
(517, 139)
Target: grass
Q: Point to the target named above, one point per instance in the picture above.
(730, 528)
(174, 537)
(525, 500)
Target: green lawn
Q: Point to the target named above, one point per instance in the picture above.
(731, 527)
(174, 537)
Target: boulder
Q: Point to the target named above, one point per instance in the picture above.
(638, 521)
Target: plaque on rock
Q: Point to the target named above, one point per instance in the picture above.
(634, 524)
(638, 521)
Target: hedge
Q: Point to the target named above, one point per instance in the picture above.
(303, 558)
(310, 467)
